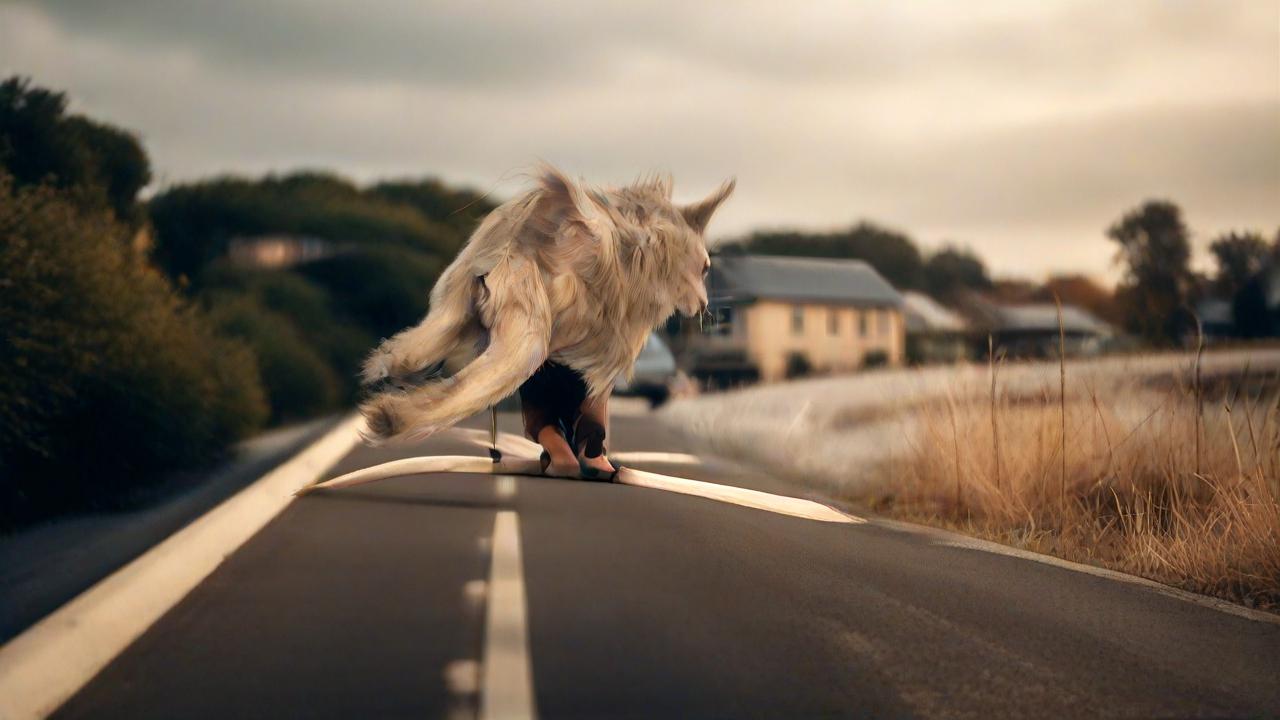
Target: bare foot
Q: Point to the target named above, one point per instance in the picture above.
(599, 462)
(563, 463)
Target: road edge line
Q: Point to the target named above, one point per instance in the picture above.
(941, 537)
(45, 665)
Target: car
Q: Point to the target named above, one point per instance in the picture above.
(655, 368)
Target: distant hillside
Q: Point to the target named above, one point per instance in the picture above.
(309, 269)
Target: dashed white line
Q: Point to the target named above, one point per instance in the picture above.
(474, 592)
(462, 677)
(505, 487)
(506, 686)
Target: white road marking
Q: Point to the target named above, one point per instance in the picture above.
(781, 504)
(474, 591)
(508, 443)
(462, 677)
(506, 687)
(968, 543)
(44, 666)
(666, 458)
(506, 487)
(425, 465)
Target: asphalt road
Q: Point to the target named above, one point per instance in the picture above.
(45, 566)
(372, 602)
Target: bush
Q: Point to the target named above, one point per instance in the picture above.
(107, 378)
(382, 289)
(458, 208)
(340, 342)
(299, 382)
(388, 245)
(195, 223)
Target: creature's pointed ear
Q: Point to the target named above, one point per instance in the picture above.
(564, 198)
(699, 213)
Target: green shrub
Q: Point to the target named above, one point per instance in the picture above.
(299, 381)
(461, 209)
(339, 341)
(389, 243)
(107, 378)
(195, 223)
(383, 289)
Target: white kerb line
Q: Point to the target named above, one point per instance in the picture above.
(506, 687)
(54, 658)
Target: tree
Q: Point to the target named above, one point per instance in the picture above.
(108, 378)
(195, 222)
(311, 323)
(39, 142)
(383, 290)
(951, 270)
(459, 208)
(1253, 307)
(1013, 291)
(1240, 256)
(1249, 309)
(1083, 292)
(1156, 253)
(289, 322)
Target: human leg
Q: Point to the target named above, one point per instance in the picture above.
(548, 402)
(591, 432)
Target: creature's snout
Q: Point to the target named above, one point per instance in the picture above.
(693, 308)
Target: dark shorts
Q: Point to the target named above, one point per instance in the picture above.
(553, 395)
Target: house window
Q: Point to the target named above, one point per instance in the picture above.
(722, 322)
(797, 320)
(862, 323)
(882, 323)
(833, 321)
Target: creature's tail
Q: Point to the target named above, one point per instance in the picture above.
(415, 355)
(519, 330)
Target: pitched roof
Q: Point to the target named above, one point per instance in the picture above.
(924, 314)
(739, 278)
(1044, 317)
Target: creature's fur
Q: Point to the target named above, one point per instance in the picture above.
(575, 275)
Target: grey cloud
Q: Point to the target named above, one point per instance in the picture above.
(562, 43)
(412, 42)
(989, 123)
(1038, 172)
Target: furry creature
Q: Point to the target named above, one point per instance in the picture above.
(576, 275)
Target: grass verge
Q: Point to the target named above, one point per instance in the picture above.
(1165, 466)
(1174, 486)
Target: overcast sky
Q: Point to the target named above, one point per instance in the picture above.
(1020, 129)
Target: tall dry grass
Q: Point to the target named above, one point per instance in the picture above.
(1164, 465)
(1179, 484)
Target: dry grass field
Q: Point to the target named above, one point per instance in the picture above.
(1137, 466)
